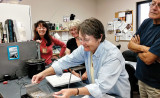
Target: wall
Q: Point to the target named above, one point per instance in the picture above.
(19, 14)
(106, 12)
(54, 10)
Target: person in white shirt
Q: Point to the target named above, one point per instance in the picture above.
(104, 64)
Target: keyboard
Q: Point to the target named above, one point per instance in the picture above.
(56, 80)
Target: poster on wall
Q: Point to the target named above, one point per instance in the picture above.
(13, 52)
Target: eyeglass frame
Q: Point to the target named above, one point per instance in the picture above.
(41, 28)
(85, 40)
(152, 4)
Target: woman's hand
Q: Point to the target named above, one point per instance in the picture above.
(39, 41)
(84, 76)
(65, 93)
(75, 73)
(37, 78)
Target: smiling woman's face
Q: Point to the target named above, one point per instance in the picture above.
(41, 30)
(89, 42)
(74, 32)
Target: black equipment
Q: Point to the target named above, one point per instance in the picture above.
(35, 66)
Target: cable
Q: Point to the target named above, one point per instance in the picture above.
(21, 83)
(80, 76)
(70, 79)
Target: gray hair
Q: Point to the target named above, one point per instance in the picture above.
(73, 23)
(92, 26)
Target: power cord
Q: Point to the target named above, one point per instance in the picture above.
(21, 83)
(70, 79)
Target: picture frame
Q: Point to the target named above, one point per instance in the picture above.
(13, 52)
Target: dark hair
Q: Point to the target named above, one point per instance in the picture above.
(47, 36)
(92, 26)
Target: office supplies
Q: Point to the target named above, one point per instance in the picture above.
(56, 80)
(1, 96)
(5, 82)
(35, 66)
(33, 91)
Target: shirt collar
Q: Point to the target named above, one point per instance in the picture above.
(98, 50)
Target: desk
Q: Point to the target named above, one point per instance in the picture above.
(15, 88)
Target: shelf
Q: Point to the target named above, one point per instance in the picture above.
(59, 31)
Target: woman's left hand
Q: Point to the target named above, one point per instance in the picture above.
(65, 93)
(84, 76)
(39, 41)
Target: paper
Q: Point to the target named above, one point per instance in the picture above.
(64, 79)
(117, 24)
(122, 26)
(56, 35)
(126, 36)
(64, 36)
(129, 18)
(103, 96)
(110, 26)
(122, 14)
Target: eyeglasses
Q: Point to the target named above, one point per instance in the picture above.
(152, 4)
(73, 29)
(85, 40)
(41, 28)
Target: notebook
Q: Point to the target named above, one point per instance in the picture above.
(64, 79)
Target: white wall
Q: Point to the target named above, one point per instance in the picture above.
(20, 14)
(104, 10)
(54, 10)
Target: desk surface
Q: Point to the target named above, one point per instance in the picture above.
(16, 88)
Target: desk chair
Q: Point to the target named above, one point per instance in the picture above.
(129, 55)
(119, 46)
(132, 79)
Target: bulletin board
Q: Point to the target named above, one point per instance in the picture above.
(123, 27)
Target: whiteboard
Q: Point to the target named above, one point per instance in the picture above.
(19, 13)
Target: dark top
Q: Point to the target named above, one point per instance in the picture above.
(149, 36)
(72, 45)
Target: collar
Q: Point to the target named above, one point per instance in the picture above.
(97, 53)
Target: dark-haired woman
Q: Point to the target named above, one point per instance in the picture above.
(41, 35)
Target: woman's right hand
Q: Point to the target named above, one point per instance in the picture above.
(75, 73)
(38, 41)
(37, 78)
